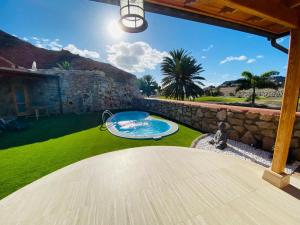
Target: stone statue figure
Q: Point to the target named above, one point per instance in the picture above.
(220, 138)
(34, 68)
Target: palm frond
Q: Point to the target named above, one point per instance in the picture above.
(269, 74)
(181, 75)
(247, 75)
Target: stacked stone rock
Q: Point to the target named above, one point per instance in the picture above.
(90, 91)
(266, 92)
(251, 126)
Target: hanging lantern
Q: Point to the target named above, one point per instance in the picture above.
(132, 16)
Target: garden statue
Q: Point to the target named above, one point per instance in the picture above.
(220, 138)
(34, 67)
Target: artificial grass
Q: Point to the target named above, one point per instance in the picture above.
(220, 99)
(52, 143)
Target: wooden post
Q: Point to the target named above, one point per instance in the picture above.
(276, 175)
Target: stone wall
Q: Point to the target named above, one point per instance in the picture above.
(87, 91)
(44, 92)
(72, 91)
(252, 126)
(38, 91)
(227, 91)
(264, 92)
(7, 106)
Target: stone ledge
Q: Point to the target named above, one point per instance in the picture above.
(252, 126)
(278, 180)
(220, 106)
(195, 142)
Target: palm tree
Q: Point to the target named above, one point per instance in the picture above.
(250, 80)
(148, 85)
(182, 75)
(65, 65)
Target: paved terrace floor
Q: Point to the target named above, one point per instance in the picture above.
(154, 185)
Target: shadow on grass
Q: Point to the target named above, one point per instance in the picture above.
(48, 128)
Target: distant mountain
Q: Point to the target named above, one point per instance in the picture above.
(22, 53)
(279, 80)
(230, 83)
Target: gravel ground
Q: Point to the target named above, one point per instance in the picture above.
(243, 151)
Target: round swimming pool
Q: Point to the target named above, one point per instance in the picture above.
(139, 125)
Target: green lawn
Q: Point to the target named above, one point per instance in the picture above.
(220, 99)
(55, 142)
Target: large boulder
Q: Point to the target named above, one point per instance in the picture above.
(248, 138)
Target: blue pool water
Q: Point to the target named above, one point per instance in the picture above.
(137, 124)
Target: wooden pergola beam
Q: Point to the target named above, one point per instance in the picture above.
(170, 10)
(289, 105)
(293, 3)
(270, 9)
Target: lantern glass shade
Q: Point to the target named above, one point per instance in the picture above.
(132, 16)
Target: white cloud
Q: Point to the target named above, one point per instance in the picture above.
(39, 45)
(234, 58)
(47, 44)
(203, 57)
(211, 83)
(280, 40)
(259, 56)
(25, 39)
(82, 52)
(251, 61)
(134, 57)
(56, 46)
(208, 48)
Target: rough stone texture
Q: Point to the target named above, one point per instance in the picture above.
(40, 92)
(221, 115)
(73, 91)
(248, 138)
(265, 92)
(268, 143)
(6, 99)
(44, 92)
(253, 126)
(86, 91)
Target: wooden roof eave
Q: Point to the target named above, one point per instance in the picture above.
(193, 16)
(24, 73)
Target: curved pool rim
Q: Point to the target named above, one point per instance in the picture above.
(112, 129)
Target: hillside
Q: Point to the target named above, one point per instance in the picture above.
(279, 80)
(22, 53)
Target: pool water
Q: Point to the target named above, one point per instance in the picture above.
(139, 125)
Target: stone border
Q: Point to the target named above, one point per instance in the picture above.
(244, 152)
(195, 141)
(112, 129)
(253, 126)
(270, 112)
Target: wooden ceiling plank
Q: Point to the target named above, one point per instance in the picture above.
(254, 19)
(269, 9)
(293, 3)
(227, 9)
(199, 11)
(175, 9)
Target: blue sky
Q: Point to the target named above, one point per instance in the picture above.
(88, 28)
